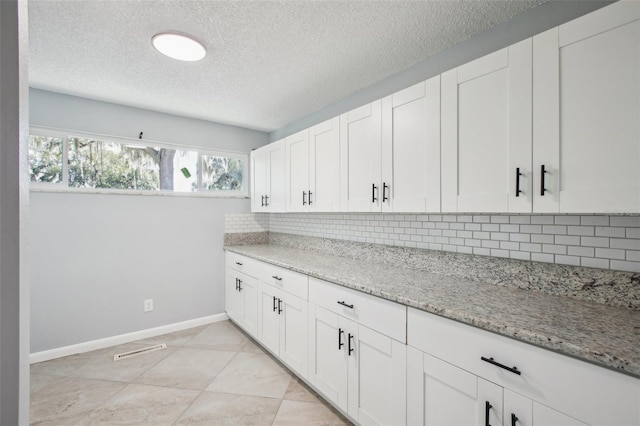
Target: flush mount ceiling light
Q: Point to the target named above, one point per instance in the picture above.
(178, 46)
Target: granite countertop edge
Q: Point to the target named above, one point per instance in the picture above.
(616, 352)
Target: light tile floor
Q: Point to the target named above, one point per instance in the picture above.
(209, 375)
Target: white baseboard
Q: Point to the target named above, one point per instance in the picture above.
(92, 345)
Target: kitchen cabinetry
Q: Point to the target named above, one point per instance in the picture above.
(586, 108)
(411, 149)
(241, 296)
(486, 133)
(356, 366)
(313, 168)
(282, 313)
(460, 366)
(441, 394)
(360, 158)
(267, 177)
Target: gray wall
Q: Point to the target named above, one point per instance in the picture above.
(96, 257)
(528, 24)
(14, 197)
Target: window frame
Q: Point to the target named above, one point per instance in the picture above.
(200, 193)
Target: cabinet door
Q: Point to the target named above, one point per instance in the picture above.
(276, 177)
(258, 179)
(249, 294)
(297, 172)
(518, 410)
(233, 302)
(486, 133)
(545, 416)
(324, 166)
(293, 333)
(360, 145)
(586, 113)
(328, 355)
(411, 149)
(269, 323)
(377, 378)
(440, 394)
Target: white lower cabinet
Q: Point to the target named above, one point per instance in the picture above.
(241, 300)
(382, 363)
(360, 370)
(282, 326)
(441, 394)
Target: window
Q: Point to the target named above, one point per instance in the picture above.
(117, 164)
(45, 159)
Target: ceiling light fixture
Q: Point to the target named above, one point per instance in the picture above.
(178, 46)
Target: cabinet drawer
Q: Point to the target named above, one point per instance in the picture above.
(386, 317)
(241, 263)
(289, 281)
(587, 392)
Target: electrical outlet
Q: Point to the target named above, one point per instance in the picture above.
(148, 305)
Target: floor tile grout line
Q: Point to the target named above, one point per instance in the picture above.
(186, 409)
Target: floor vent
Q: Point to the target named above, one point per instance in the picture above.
(137, 352)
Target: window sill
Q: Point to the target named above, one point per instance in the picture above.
(135, 192)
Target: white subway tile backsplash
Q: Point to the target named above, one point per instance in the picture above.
(631, 221)
(594, 220)
(594, 241)
(610, 253)
(592, 262)
(554, 229)
(554, 249)
(567, 220)
(608, 231)
(599, 241)
(629, 243)
(587, 231)
(621, 265)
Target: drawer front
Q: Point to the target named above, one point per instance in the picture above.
(243, 264)
(385, 317)
(587, 392)
(289, 281)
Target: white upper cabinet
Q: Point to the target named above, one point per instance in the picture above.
(268, 185)
(411, 149)
(360, 143)
(586, 112)
(486, 133)
(324, 166)
(297, 171)
(313, 168)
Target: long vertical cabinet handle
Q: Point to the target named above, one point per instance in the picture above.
(543, 171)
(340, 342)
(262, 198)
(279, 306)
(518, 174)
(374, 188)
(274, 304)
(487, 409)
(266, 201)
(384, 191)
(351, 336)
(239, 285)
(310, 197)
(514, 419)
(304, 198)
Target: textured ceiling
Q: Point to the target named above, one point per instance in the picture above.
(268, 64)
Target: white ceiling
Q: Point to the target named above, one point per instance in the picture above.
(268, 64)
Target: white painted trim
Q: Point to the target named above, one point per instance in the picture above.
(93, 345)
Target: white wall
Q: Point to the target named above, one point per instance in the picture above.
(96, 257)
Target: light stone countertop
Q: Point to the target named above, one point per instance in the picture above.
(608, 336)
